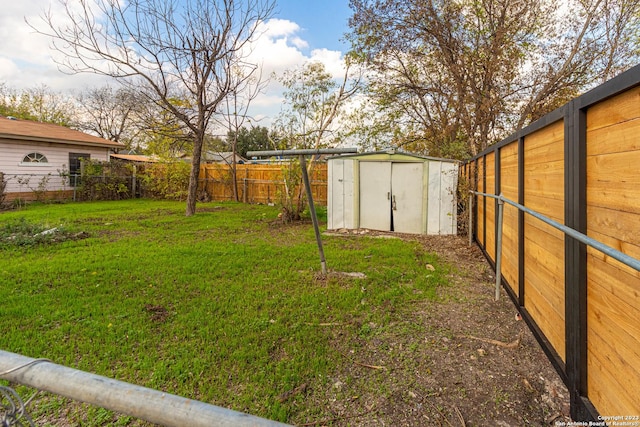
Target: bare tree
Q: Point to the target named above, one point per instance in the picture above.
(248, 86)
(109, 113)
(165, 50)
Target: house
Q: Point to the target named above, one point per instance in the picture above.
(225, 157)
(390, 191)
(43, 159)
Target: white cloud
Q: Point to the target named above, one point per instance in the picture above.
(27, 61)
(280, 48)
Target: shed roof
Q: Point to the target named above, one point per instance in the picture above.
(391, 155)
(28, 130)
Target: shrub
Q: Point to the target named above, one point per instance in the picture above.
(104, 180)
(165, 180)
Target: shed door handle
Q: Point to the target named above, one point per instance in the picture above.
(393, 204)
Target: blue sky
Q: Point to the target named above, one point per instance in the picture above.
(323, 22)
(300, 31)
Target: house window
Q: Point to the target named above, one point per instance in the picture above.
(75, 167)
(35, 158)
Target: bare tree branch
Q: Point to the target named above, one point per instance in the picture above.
(163, 49)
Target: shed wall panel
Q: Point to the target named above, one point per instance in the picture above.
(447, 198)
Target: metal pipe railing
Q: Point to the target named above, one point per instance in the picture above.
(140, 402)
(583, 238)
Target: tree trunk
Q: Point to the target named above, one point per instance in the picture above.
(192, 195)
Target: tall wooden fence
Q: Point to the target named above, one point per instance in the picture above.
(258, 183)
(579, 166)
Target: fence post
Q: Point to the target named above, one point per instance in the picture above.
(133, 183)
(244, 190)
(314, 217)
(499, 247)
(470, 225)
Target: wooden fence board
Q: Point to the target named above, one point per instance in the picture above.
(613, 181)
(542, 311)
(613, 215)
(544, 246)
(490, 246)
(614, 359)
(257, 183)
(619, 109)
(611, 139)
(509, 188)
(618, 227)
(603, 390)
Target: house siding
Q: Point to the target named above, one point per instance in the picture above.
(25, 177)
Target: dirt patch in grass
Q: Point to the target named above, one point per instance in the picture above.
(464, 360)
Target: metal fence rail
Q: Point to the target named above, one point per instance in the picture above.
(140, 402)
(583, 238)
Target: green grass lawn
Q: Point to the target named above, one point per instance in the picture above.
(225, 307)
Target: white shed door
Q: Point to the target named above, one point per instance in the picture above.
(335, 191)
(375, 195)
(340, 194)
(406, 190)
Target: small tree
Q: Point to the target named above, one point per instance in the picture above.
(164, 51)
(314, 101)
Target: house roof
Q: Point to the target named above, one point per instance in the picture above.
(27, 130)
(222, 157)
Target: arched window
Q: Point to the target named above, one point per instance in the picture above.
(35, 158)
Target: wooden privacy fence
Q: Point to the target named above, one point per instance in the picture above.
(578, 166)
(257, 183)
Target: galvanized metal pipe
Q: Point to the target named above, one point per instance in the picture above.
(499, 248)
(140, 402)
(607, 250)
(304, 152)
(314, 216)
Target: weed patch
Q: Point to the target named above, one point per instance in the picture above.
(23, 233)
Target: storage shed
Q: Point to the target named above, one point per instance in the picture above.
(392, 191)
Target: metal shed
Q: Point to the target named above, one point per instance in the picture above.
(392, 191)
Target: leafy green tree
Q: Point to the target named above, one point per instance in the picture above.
(39, 104)
(252, 139)
(451, 77)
